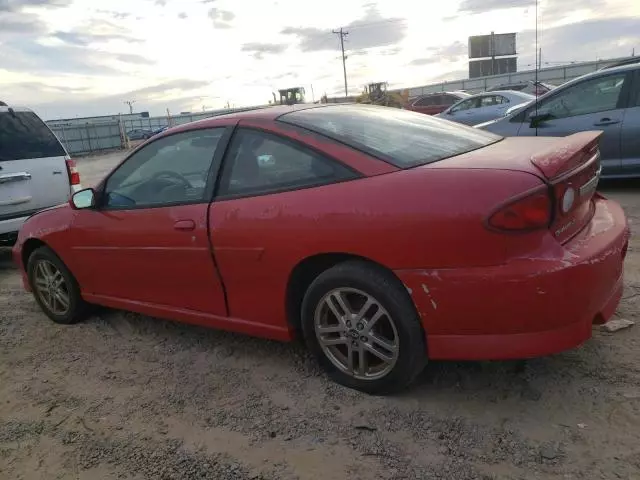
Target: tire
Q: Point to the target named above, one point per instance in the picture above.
(44, 261)
(392, 317)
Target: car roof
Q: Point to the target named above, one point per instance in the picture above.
(15, 109)
(504, 92)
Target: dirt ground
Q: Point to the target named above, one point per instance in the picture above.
(123, 396)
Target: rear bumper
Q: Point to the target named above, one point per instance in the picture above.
(527, 307)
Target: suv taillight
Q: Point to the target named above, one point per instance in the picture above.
(72, 170)
(531, 212)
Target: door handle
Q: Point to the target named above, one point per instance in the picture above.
(606, 121)
(14, 177)
(185, 225)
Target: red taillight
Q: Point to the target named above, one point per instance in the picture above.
(72, 170)
(528, 213)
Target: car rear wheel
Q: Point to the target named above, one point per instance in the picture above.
(54, 287)
(361, 325)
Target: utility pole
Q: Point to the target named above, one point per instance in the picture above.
(130, 103)
(344, 63)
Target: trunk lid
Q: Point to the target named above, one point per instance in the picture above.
(569, 166)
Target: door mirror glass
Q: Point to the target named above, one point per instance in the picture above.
(83, 199)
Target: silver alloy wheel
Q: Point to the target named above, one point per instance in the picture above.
(51, 287)
(356, 333)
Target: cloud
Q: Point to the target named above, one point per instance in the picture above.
(481, 6)
(115, 15)
(221, 18)
(445, 53)
(161, 3)
(587, 40)
(21, 24)
(18, 5)
(169, 86)
(370, 31)
(133, 58)
(182, 15)
(258, 50)
(96, 31)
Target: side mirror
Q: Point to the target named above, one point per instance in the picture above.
(539, 119)
(83, 199)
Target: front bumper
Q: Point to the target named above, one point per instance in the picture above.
(527, 307)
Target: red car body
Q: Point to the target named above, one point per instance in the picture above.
(434, 103)
(481, 292)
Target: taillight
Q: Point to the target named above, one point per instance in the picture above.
(72, 170)
(527, 213)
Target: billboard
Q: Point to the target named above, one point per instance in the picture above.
(483, 68)
(480, 46)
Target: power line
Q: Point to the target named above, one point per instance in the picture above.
(130, 103)
(343, 34)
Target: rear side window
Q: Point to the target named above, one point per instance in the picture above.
(400, 137)
(24, 135)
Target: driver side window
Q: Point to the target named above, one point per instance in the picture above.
(591, 96)
(172, 170)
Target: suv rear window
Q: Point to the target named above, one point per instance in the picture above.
(400, 137)
(24, 135)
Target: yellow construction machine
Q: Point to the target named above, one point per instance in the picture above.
(289, 96)
(377, 94)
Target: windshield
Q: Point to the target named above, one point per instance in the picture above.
(24, 135)
(400, 137)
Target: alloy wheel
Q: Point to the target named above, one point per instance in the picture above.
(356, 333)
(51, 287)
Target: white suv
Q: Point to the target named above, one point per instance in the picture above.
(35, 170)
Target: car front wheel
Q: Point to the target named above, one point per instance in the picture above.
(54, 287)
(363, 328)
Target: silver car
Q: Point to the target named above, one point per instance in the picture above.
(484, 106)
(607, 100)
(35, 170)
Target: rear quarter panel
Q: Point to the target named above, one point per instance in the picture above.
(420, 218)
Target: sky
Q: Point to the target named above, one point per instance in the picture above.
(68, 58)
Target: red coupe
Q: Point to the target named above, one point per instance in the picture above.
(383, 237)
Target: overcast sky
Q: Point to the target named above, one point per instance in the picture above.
(86, 57)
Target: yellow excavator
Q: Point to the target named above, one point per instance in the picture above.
(377, 94)
(289, 96)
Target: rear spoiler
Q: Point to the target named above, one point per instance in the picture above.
(567, 153)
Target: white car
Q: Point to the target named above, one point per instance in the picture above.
(35, 170)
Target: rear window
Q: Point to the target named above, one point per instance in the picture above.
(24, 135)
(400, 137)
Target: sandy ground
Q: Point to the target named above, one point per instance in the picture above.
(129, 397)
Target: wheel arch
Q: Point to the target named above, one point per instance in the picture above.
(306, 271)
(29, 246)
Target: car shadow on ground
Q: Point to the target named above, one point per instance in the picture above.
(6, 261)
(487, 381)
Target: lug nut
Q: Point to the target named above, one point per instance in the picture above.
(354, 343)
(348, 324)
(363, 338)
(360, 326)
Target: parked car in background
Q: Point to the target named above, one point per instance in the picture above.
(139, 134)
(606, 100)
(433, 103)
(278, 221)
(531, 87)
(484, 106)
(35, 170)
(158, 130)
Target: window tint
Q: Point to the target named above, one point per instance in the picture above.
(590, 96)
(467, 105)
(170, 170)
(449, 99)
(425, 101)
(259, 162)
(24, 135)
(400, 137)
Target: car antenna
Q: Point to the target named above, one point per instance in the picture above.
(537, 68)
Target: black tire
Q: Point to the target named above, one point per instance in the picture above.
(390, 294)
(78, 308)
